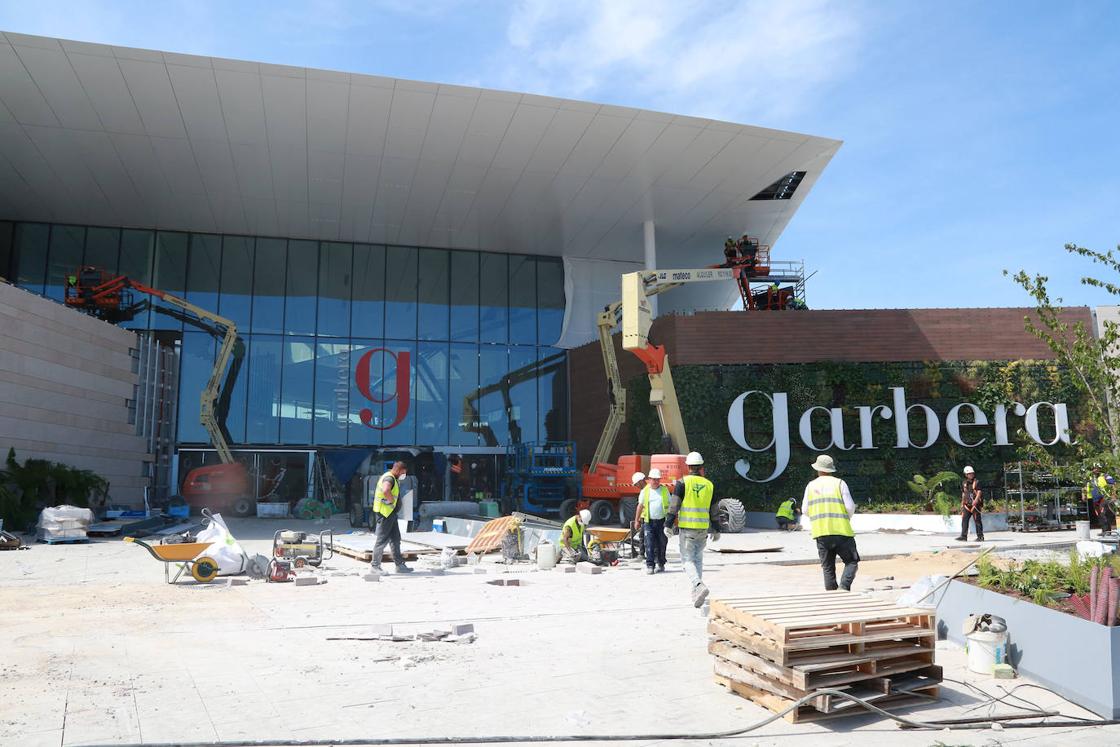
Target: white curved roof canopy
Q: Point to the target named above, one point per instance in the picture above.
(108, 135)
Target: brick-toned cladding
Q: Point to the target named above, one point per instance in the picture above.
(864, 336)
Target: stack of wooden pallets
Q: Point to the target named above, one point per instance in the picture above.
(775, 650)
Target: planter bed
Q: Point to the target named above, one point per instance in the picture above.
(1075, 657)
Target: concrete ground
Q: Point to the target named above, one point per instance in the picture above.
(98, 650)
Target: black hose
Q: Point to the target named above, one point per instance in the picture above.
(498, 739)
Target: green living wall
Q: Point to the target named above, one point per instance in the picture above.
(878, 475)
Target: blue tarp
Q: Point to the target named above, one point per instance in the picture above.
(344, 462)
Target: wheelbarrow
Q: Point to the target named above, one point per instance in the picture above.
(186, 556)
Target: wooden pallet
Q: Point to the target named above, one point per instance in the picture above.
(821, 619)
(490, 538)
(779, 650)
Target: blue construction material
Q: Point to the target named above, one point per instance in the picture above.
(540, 476)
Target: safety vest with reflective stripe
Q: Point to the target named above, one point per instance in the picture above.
(1102, 485)
(826, 510)
(785, 510)
(643, 500)
(696, 505)
(576, 528)
(379, 504)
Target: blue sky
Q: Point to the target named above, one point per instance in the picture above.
(977, 136)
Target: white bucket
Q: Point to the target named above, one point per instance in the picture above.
(1082, 529)
(985, 650)
(546, 555)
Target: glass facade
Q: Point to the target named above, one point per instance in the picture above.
(342, 344)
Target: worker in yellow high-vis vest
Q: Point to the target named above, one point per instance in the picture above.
(829, 506)
(573, 538)
(387, 509)
(692, 513)
(653, 505)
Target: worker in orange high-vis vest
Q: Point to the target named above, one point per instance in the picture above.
(387, 509)
(829, 506)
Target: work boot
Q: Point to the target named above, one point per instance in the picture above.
(402, 568)
(376, 569)
(961, 539)
(660, 569)
(649, 571)
(980, 538)
(699, 594)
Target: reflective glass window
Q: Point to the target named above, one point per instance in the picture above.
(332, 391)
(236, 300)
(523, 299)
(398, 389)
(493, 298)
(168, 274)
(433, 294)
(102, 247)
(262, 421)
(137, 252)
(463, 394)
(204, 269)
(196, 360)
(335, 273)
(400, 293)
(552, 395)
(269, 270)
(297, 390)
(464, 296)
(6, 254)
(302, 283)
(523, 394)
(65, 257)
(431, 397)
(367, 310)
(493, 365)
(550, 300)
(366, 386)
(31, 255)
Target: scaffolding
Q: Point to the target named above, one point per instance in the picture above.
(1044, 502)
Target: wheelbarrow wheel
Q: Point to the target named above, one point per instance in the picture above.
(204, 570)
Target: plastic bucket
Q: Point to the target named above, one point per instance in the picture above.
(985, 650)
(546, 556)
(1082, 529)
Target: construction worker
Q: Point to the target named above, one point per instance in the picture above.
(572, 546)
(972, 504)
(828, 504)
(387, 508)
(692, 514)
(786, 515)
(1095, 491)
(653, 505)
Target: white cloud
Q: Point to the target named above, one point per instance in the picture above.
(753, 59)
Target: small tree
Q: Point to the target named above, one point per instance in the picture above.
(1094, 361)
(930, 491)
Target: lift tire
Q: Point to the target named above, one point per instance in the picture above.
(243, 507)
(568, 509)
(357, 515)
(732, 516)
(627, 510)
(602, 512)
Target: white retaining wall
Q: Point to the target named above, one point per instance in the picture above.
(994, 522)
(65, 379)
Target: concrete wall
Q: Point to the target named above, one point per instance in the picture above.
(935, 523)
(65, 379)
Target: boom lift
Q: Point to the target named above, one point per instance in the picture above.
(109, 296)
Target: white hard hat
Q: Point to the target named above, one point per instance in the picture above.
(585, 516)
(969, 469)
(694, 459)
(637, 477)
(654, 474)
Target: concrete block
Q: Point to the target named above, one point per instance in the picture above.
(371, 576)
(383, 630)
(309, 580)
(513, 582)
(589, 568)
(479, 569)
(462, 628)
(236, 581)
(566, 568)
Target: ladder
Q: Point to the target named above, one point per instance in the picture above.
(327, 487)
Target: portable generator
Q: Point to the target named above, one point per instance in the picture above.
(303, 548)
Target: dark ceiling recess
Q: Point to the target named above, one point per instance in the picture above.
(782, 189)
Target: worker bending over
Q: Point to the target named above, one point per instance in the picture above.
(653, 505)
(572, 546)
(387, 508)
(692, 513)
(786, 515)
(828, 504)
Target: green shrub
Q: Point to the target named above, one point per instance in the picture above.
(27, 488)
